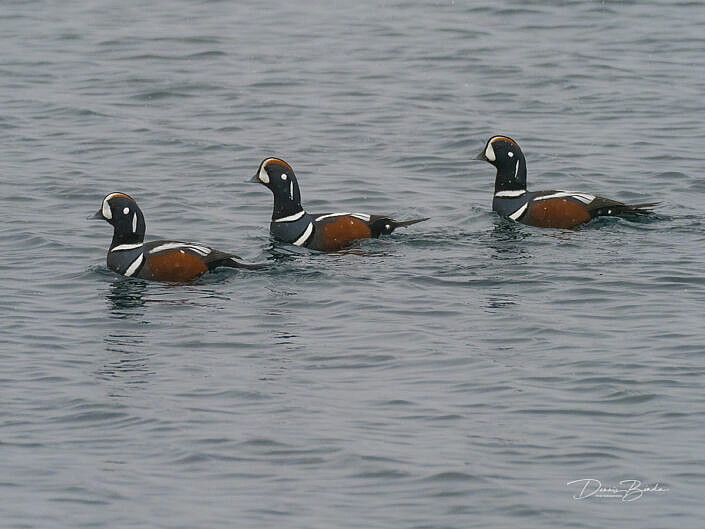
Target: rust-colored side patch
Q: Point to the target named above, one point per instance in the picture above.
(556, 213)
(176, 266)
(342, 231)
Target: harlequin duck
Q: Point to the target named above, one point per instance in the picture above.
(545, 209)
(323, 231)
(157, 260)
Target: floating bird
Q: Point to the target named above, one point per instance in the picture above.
(545, 209)
(323, 231)
(173, 261)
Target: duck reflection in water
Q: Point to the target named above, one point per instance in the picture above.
(285, 253)
(125, 343)
(126, 295)
(507, 240)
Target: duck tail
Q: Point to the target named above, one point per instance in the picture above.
(640, 209)
(405, 223)
(232, 262)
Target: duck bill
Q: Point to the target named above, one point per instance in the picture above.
(98, 215)
(255, 179)
(481, 156)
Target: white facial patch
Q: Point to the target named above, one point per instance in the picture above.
(263, 176)
(134, 222)
(106, 208)
(291, 189)
(283, 176)
(126, 211)
(510, 154)
(489, 153)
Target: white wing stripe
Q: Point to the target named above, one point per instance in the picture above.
(167, 246)
(201, 250)
(361, 216)
(583, 197)
(331, 215)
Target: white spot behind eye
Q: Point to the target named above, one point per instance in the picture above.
(510, 154)
(126, 211)
(134, 223)
(283, 176)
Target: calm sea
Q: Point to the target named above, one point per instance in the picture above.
(458, 374)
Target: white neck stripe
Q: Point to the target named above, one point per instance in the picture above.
(291, 218)
(514, 193)
(126, 247)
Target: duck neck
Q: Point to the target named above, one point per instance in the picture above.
(511, 176)
(287, 202)
(126, 238)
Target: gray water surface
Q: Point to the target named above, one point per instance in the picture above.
(456, 374)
